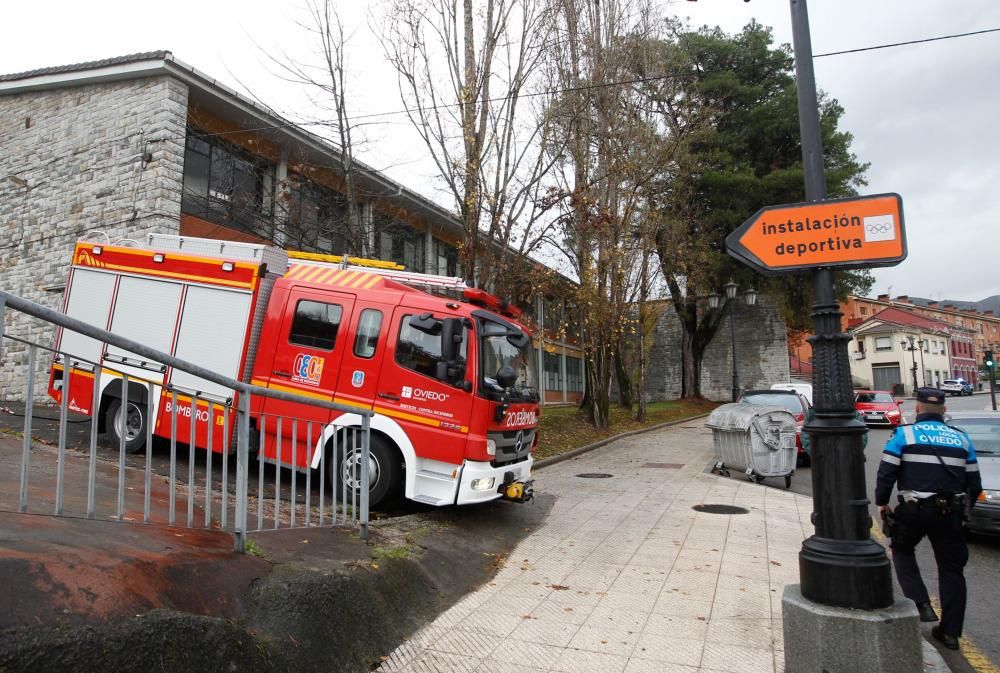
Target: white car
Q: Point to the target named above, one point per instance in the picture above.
(957, 387)
(804, 389)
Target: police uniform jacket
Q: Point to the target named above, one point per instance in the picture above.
(913, 457)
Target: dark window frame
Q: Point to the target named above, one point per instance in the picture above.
(368, 337)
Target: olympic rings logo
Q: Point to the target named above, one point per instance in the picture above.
(878, 227)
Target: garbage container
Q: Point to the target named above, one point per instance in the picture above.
(754, 439)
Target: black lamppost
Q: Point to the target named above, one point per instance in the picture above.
(713, 303)
(907, 344)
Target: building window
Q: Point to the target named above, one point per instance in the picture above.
(553, 376)
(864, 310)
(883, 343)
(225, 184)
(315, 325)
(574, 374)
(400, 244)
(317, 220)
(445, 259)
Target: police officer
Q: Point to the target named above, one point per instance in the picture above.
(934, 467)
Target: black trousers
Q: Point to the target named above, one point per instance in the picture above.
(914, 521)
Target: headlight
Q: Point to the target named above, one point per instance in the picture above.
(894, 412)
(484, 484)
(990, 497)
(491, 447)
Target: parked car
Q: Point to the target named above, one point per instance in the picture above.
(804, 389)
(789, 399)
(983, 428)
(878, 408)
(957, 387)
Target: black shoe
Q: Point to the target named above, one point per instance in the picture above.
(927, 613)
(951, 642)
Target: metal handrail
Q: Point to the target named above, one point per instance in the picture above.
(243, 417)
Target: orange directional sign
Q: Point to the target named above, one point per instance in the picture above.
(860, 231)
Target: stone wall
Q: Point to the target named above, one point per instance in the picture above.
(761, 354)
(71, 165)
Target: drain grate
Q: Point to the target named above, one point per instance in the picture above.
(594, 475)
(720, 509)
(665, 466)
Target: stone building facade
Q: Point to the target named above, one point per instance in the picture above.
(101, 157)
(123, 147)
(761, 353)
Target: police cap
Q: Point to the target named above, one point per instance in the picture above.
(930, 395)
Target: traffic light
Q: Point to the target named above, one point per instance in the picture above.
(988, 359)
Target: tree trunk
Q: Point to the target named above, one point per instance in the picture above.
(691, 357)
(625, 396)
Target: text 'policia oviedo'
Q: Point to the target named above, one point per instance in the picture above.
(849, 236)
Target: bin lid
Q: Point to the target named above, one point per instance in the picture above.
(740, 416)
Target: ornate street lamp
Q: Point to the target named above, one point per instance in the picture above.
(907, 344)
(713, 303)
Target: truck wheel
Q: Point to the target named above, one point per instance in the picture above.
(385, 472)
(135, 425)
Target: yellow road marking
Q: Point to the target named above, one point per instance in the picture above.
(977, 660)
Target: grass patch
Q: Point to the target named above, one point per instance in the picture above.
(401, 552)
(565, 428)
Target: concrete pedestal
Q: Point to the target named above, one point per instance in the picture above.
(842, 640)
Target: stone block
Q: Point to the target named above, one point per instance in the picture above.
(819, 638)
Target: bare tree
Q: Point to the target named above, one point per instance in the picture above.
(326, 79)
(465, 70)
(607, 168)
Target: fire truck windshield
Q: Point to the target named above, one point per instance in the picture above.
(496, 352)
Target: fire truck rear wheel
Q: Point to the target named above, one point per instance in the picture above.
(135, 425)
(385, 472)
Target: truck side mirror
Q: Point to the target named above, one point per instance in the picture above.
(506, 377)
(426, 323)
(451, 338)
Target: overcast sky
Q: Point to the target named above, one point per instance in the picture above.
(925, 116)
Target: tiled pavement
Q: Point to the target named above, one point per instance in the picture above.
(625, 577)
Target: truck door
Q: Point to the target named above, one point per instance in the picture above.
(435, 414)
(308, 352)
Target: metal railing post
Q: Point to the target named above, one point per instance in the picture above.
(121, 448)
(63, 412)
(242, 456)
(29, 404)
(366, 426)
(151, 407)
(95, 409)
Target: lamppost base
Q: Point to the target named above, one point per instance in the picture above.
(846, 573)
(841, 640)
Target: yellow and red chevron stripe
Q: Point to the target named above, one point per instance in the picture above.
(343, 278)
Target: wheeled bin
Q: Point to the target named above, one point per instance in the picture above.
(758, 441)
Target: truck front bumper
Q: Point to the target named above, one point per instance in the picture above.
(481, 482)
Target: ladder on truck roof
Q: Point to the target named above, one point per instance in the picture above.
(389, 270)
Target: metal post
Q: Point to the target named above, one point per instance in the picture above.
(63, 412)
(95, 407)
(242, 455)
(732, 332)
(29, 406)
(366, 432)
(121, 448)
(993, 387)
(840, 565)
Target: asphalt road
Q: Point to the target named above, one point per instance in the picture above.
(982, 574)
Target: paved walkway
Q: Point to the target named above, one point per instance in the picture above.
(625, 577)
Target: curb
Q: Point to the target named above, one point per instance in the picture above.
(552, 460)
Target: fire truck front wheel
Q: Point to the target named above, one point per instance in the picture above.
(385, 471)
(134, 423)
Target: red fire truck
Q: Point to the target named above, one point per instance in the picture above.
(450, 378)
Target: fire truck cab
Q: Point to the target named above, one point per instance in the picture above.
(450, 379)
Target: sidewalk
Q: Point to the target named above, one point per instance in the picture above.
(625, 577)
